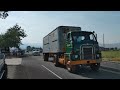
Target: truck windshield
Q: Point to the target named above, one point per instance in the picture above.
(79, 36)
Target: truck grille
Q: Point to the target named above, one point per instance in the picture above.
(87, 53)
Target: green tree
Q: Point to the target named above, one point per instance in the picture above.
(3, 14)
(2, 41)
(13, 36)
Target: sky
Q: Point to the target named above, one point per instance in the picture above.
(38, 24)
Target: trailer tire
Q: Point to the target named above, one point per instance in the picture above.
(95, 67)
(56, 63)
(45, 57)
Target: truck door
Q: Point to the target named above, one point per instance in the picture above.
(68, 43)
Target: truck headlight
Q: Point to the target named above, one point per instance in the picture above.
(98, 55)
(76, 56)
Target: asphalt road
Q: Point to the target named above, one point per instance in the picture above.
(33, 67)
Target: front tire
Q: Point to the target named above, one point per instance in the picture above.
(95, 67)
(71, 69)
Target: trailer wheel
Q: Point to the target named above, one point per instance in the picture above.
(56, 63)
(45, 57)
(95, 67)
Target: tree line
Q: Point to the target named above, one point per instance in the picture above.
(29, 48)
(13, 37)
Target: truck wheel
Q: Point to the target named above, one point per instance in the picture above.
(56, 63)
(45, 57)
(71, 69)
(6, 72)
(95, 67)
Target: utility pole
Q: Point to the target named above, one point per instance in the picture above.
(103, 41)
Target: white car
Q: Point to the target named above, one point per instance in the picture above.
(36, 52)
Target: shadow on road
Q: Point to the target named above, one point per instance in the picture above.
(101, 74)
(89, 73)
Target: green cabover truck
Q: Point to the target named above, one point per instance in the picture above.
(71, 47)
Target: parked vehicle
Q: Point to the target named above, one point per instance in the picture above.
(20, 53)
(71, 47)
(36, 52)
(3, 67)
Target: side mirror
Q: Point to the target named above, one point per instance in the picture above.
(2, 56)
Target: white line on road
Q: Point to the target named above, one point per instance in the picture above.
(111, 71)
(52, 72)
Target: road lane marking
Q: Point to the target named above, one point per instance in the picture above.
(52, 72)
(111, 71)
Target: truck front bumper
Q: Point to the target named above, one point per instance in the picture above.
(78, 62)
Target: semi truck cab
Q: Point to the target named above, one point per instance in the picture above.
(82, 48)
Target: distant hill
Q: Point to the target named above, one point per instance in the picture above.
(111, 45)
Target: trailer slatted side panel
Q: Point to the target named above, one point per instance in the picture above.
(46, 44)
(51, 42)
(54, 41)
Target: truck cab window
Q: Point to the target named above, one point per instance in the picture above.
(76, 39)
(79, 39)
(92, 37)
(82, 37)
(87, 37)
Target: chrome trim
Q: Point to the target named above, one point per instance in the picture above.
(86, 46)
